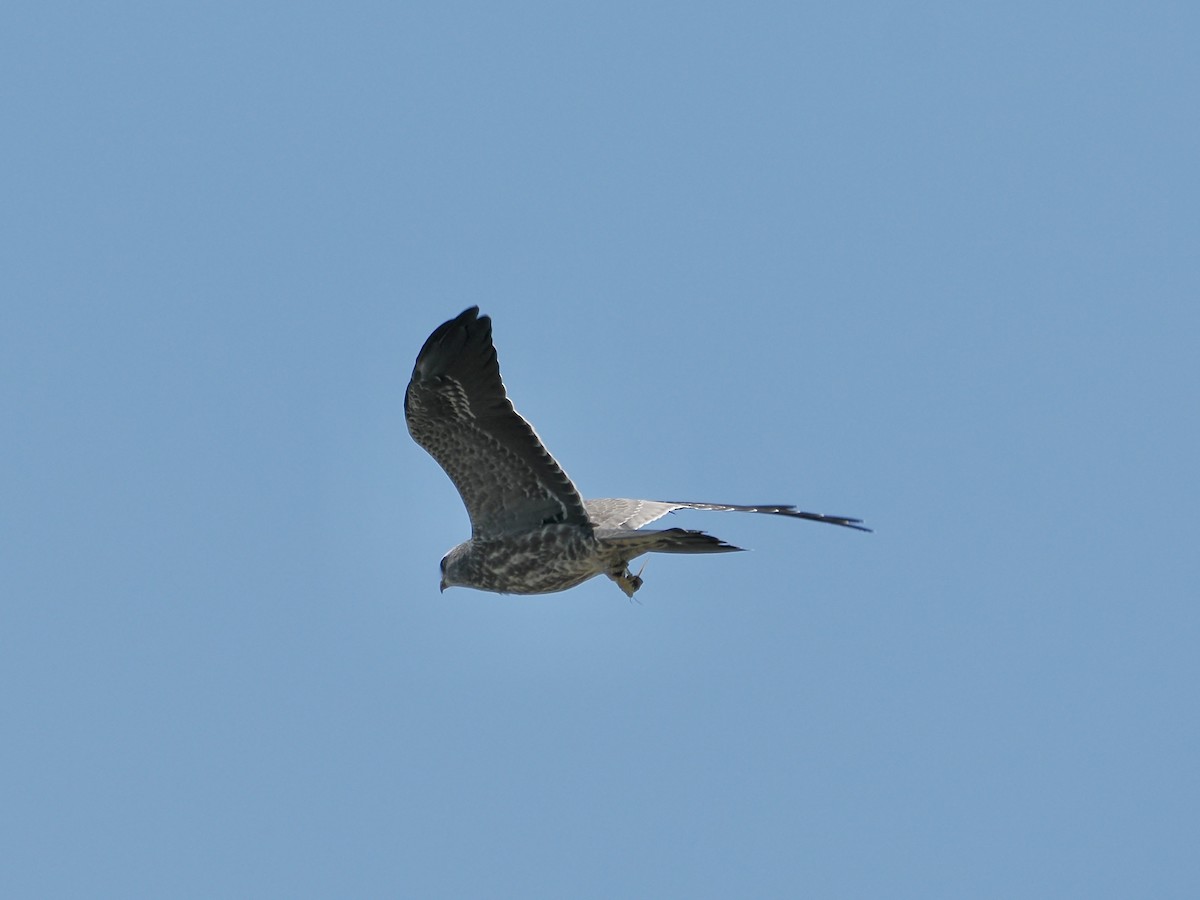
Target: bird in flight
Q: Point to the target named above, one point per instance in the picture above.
(531, 532)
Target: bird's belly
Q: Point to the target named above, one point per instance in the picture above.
(540, 561)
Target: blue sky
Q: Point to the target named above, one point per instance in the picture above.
(935, 266)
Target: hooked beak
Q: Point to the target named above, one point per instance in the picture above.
(442, 587)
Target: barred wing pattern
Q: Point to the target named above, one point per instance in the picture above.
(457, 409)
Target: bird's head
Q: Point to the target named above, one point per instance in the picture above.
(454, 567)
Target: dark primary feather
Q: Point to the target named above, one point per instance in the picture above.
(456, 408)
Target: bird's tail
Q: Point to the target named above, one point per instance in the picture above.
(630, 544)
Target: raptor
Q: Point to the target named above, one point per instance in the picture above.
(531, 531)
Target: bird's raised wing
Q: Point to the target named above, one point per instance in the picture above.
(608, 513)
(456, 408)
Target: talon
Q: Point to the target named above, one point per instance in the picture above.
(630, 583)
(636, 580)
(626, 580)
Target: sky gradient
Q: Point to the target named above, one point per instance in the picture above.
(936, 267)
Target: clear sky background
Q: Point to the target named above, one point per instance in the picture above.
(935, 265)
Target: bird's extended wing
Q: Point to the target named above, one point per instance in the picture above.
(456, 408)
(609, 513)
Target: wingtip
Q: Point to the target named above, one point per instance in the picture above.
(450, 339)
(843, 521)
(856, 524)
